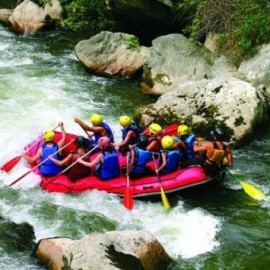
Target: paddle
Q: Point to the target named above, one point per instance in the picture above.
(31, 170)
(249, 189)
(165, 201)
(67, 168)
(14, 161)
(128, 199)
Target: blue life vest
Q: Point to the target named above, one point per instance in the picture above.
(189, 142)
(173, 157)
(108, 130)
(110, 167)
(141, 159)
(49, 167)
(188, 153)
(132, 127)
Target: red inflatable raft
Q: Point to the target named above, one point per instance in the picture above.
(147, 186)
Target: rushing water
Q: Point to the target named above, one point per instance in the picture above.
(42, 83)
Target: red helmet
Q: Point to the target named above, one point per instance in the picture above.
(104, 141)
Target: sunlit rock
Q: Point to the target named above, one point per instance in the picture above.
(110, 250)
(175, 60)
(4, 15)
(28, 17)
(257, 68)
(112, 54)
(233, 104)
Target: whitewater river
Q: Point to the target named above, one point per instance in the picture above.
(42, 83)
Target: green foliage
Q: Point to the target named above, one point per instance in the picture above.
(84, 15)
(241, 24)
(132, 42)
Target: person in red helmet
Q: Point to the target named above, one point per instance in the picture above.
(106, 162)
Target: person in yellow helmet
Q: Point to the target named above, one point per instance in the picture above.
(99, 128)
(130, 134)
(155, 132)
(184, 142)
(139, 156)
(169, 157)
(49, 168)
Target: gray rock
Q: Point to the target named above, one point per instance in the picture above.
(112, 54)
(4, 15)
(110, 250)
(233, 103)
(28, 17)
(175, 60)
(257, 69)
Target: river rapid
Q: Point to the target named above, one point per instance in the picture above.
(42, 83)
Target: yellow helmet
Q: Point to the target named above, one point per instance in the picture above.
(155, 129)
(124, 120)
(183, 130)
(49, 136)
(167, 142)
(96, 119)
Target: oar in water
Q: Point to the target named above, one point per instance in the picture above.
(72, 164)
(31, 170)
(128, 198)
(165, 201)
(14, 161)
(252, 191)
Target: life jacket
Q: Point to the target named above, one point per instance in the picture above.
(218, 155)
(142, 157)
(78, 170)
(173, 157)
(49, 167)
(110, 167)
(188, 152)
(131, 127)
(108, 130)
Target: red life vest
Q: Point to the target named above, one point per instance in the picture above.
(79, 170)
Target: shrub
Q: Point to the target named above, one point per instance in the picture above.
(242, 25)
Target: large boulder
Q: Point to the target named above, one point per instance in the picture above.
(110, 250)
(233, 104)
(28, 17)
(112, 54)
(4, 15)
(175, 60)
(257, 69)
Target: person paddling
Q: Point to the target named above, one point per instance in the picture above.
(130, 134)
(212, 155)
(154, 140)
(138, 159)
(77, 171)
(99, 128)
(49, 168)
(184, 142)
(169, 157)
(106, 163)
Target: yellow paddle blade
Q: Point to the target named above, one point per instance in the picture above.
(252, 191)
(165, 201)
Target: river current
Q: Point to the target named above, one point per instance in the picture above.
(42, 83)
